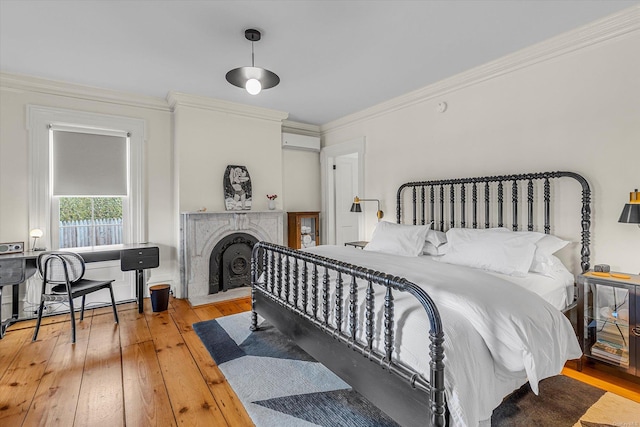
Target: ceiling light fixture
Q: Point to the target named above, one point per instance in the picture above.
(253, 78)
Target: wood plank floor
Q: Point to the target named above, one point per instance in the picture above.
(149, 370)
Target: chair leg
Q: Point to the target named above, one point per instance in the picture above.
(73, 321)
(40, 309)
(113, 304)
(82, 308)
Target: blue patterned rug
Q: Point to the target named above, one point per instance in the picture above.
(282, 386)
(278, 383)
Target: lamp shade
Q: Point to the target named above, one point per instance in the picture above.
(355, 206)
(253, 79)
(630, 214)
(631, 211)
(36, 233)
(239, 77)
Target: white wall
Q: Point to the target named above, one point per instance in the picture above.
(189, 142)
(578, 111)
(301, 175)
(16, 92)
(208, 139)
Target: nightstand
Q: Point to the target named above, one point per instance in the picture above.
(360, 244)
(610, 308)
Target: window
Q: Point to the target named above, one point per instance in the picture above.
(86, 178)
(87, 164)
(89, 221)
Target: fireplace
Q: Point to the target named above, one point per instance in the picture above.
(230, 263)
(215, 250)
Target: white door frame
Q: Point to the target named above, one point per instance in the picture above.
(327, 160)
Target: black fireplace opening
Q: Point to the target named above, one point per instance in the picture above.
(230, 262)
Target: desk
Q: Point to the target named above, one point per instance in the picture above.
(16, 268)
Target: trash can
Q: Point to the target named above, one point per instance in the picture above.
(159, 297)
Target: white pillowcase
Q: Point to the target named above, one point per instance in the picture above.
(436, 237)
(398, 239)
(543, 259)
(434, 241)
(493, 249)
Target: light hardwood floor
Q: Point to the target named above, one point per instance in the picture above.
(151, 369)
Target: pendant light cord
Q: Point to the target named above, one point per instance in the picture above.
(252, 59)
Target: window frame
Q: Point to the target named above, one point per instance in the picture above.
(40, 120)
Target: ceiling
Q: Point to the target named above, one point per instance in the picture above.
(333, 57)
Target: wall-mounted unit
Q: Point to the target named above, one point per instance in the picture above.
(300, 142)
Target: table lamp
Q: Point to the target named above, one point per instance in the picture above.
(36, 233)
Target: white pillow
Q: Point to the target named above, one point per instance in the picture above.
(543, 259)
(546, 246)
(498, 250)
(398, 239)
(436, 237)
(430, 249)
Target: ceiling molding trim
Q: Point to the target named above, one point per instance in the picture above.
(300, 128)
(24, 83)
(176, 99)
(613, 26)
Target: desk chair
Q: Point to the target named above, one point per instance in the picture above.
(64, 272)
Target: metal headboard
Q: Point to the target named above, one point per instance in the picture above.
(431, 194)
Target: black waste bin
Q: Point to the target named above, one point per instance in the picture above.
(159, 297)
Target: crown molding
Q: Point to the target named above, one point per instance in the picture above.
(24, 83)
(291, 126)
(176, 99)
(610, 27)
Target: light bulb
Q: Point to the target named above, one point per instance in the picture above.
(253, 86)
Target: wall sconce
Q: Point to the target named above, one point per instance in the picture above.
(36, 233)
(355, 207)
(631, 211)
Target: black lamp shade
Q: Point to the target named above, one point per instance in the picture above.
(630, 213)
(355, 207)
(239, 76)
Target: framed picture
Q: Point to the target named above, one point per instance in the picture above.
(237, 188)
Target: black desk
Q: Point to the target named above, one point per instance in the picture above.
(16, 268)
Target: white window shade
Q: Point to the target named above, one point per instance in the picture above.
(86, 164)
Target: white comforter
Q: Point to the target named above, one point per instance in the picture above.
(497, 334)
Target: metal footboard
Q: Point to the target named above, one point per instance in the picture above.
(302, 283)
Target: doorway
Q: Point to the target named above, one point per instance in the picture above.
(342, 170)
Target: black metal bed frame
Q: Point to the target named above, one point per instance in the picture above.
(291, 289)
(458, 187)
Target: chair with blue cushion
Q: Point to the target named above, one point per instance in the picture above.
(62, 281)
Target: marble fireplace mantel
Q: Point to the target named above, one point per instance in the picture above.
(201, 231)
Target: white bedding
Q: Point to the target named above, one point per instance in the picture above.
(558, 292)
(497, 335)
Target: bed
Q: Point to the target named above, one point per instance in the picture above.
(428, 341)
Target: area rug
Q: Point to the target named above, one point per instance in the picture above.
(280, 385)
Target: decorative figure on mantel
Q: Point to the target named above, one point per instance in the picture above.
(237, 188)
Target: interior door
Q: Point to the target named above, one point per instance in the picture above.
(346, 187)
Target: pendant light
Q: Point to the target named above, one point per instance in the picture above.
(253, 78)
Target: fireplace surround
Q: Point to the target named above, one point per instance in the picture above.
(201, 232)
